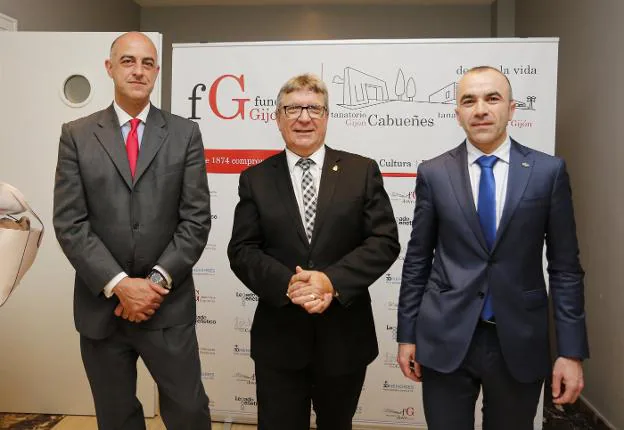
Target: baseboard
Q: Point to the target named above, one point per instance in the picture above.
(589, 409)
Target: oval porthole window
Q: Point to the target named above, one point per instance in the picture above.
(77, 90)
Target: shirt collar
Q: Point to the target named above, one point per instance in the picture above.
(318, 157)
(124, 117)
(502, 152)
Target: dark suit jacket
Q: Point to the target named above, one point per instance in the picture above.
(448, 268)
(354, 242)
(106, 223)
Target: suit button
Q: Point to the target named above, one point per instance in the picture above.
(310, 264)
(135, 226)
(481, 294)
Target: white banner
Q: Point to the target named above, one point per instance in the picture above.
(390, 100)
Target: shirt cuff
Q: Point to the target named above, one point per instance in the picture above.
(165, 274)
(108, 288)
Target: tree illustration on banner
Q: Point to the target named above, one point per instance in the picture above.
(410, 92)
(399, 87)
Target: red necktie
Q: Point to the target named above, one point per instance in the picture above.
(132, 144)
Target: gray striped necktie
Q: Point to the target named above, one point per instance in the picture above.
(308, 191)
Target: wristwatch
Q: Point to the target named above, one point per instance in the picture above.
(157, 278)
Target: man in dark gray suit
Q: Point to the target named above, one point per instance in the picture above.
(473, 306)
(132, 215)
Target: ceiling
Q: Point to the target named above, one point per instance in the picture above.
(169, 3)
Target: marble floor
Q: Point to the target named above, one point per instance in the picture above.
(29, 421)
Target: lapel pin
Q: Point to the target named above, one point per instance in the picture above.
(525, 164)
(335, 168)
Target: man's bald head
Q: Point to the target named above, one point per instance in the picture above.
(132, 35)
(481, 69)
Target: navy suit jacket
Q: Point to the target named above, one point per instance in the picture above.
(448, 268)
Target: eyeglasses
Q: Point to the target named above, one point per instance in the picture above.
(314, 111)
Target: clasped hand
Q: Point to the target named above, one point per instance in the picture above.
(310, 289)
(138, 299)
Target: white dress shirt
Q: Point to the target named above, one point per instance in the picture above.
(500, 170)
(296, 174)
(124, 120)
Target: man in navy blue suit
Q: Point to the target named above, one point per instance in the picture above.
(473, 306)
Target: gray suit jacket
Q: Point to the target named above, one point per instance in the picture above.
(107, 223)
(448, 268)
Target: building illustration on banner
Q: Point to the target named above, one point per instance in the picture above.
(361, 90)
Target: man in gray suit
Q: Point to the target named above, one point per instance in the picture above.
(473, 306)
(132, 215)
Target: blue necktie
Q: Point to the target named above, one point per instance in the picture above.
(486, 207)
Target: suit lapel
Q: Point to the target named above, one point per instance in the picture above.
(153, 137)
(457, 168)
(284, 186)
(108, 133)
(329, 178)
(520, 168)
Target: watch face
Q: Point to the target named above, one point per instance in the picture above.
(156, 277)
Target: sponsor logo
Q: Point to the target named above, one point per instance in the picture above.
(246, 297)
(404, 220)
(406, 198)
(204, 319)
(407, 413)
(390, 360)
(246, 402)
(207, 351)
(403, 388)
(211, 246)
(393, 331)
(237, 105)
(244, 378)
(204, 271)
(209, 376)
(241, 350)
(392, 280)
(242, 325)
(368, 100)
(200, 298)
(392, 305)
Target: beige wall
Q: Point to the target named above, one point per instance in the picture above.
(235, 24)
(73, 15)
(591, 68)
(503, 18)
